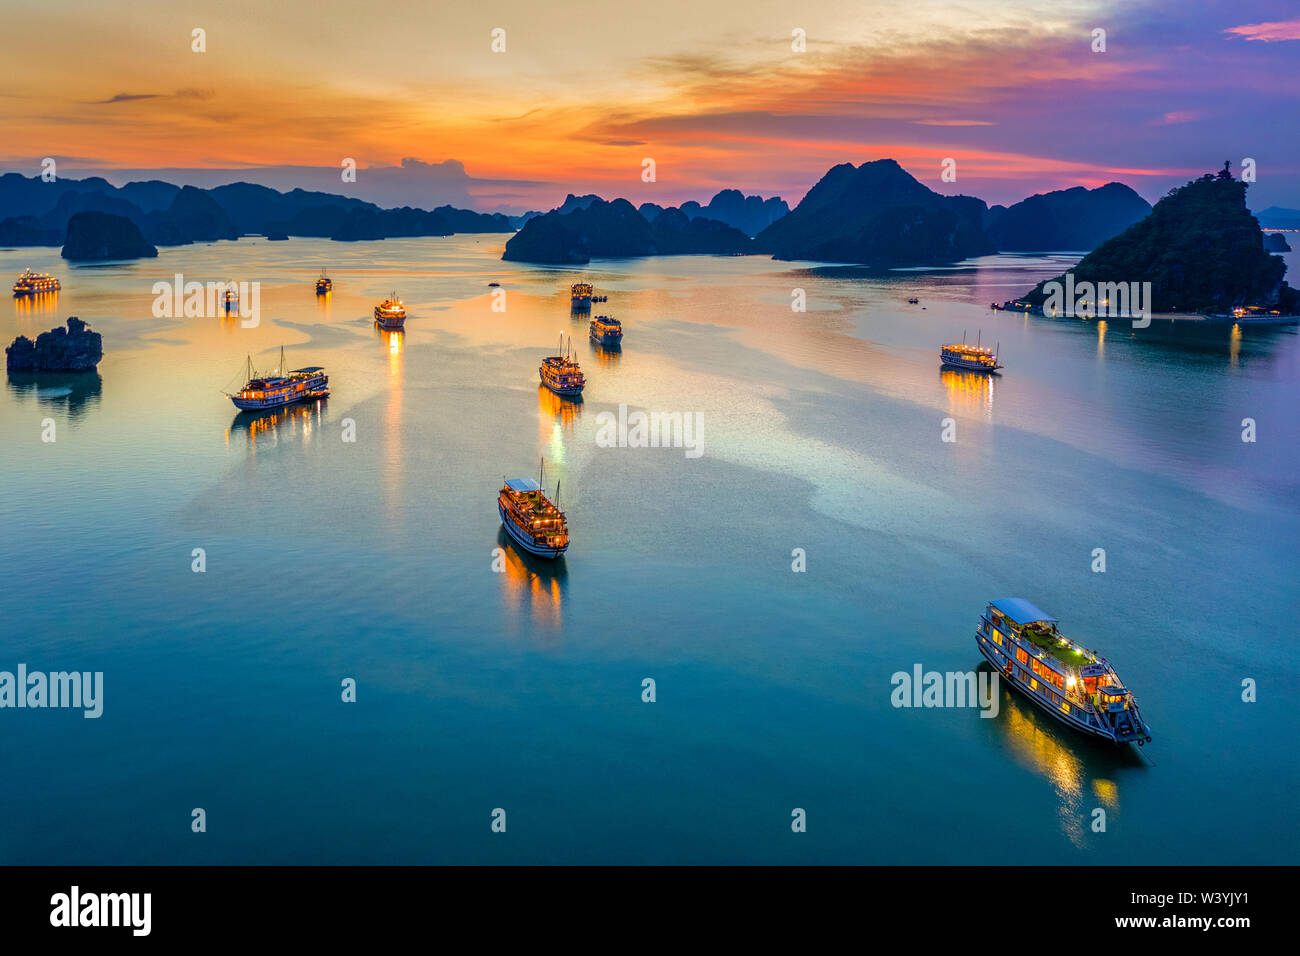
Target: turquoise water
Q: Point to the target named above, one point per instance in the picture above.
(521, 688)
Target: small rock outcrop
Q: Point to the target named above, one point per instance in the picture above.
(74, 349)
(1276, 242)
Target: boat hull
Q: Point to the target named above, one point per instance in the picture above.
(391, 325)
(524, 541)
(970, 366)
(262, 404)
(1008, 675)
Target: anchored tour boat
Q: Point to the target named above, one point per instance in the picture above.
(531, 520)
(560, 373)
(606, 331)
(324, 284)
(580, 295)
(971, 357)
(279, 389)
(391, 314)
(34, 283)
(1067, 680)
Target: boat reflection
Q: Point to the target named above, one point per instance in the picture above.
(72, 390)
(36, 303)
(271, 424)
(566, 411)
(1081, 771)
(607, 355)
(532, 586)
(968, 391)
(394, 339)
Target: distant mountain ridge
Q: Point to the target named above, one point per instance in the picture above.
(878, 214)
(33, 212)
(750, 214)
(1075, 219)
(616, 229)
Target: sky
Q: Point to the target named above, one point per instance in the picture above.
(713, 91)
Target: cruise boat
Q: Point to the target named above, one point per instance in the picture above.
(531, 520)
(391, 314)
(282, 388)
(580, 295)
(974, 358)
(1251, 315)
(34, 283)
(231, 298)
(561, 374)
(606, 331)
(324, 284)
(1063, 678)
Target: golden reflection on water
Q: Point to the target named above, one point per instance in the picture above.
(1042, 747)
(968, 392)
(301, 418)
(395, 342)
(1101, 339)
(1234, 345)
(531, 586)
(555, 416)
(37, 304)
(607, 357)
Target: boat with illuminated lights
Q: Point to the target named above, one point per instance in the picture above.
(281, 388)
(606, 331)
(580, 295)
(324, 284)
(34, 283)
(531, 519)
(1251, 315)
(973, 358)
(561, 373)
(391, 314)
(1065, 679)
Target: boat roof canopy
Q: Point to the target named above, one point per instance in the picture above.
(522, 484)
(308, 369)
(1022, 611)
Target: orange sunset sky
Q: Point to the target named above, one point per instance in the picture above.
(712, 91)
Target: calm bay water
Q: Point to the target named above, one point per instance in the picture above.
(522, 689)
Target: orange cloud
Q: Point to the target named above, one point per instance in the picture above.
(1273, 32)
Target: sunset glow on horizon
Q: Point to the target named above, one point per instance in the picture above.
(714, 93)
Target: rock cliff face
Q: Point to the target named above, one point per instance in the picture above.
(74, 349)
(1276, 242)
(101, 235)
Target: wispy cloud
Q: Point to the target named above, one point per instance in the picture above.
(126, 98)
(1273, 32)
(1176, 117)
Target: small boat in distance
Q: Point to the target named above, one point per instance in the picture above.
(1066, 680)
(324, 284)
(231, 298)
(279, 389)
(580, 295)
(913, 301)
(531, 520)
(391, 314)
(561, 373)
(1250, 315)
(34, 283)
(606, 331)
(974, 358)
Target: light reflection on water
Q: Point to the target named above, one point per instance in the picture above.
(821, 431)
